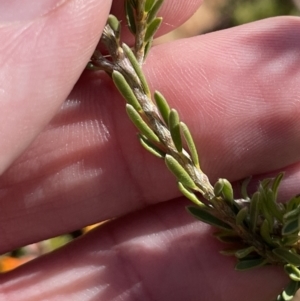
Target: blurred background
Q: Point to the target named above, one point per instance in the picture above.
(212, 15)
(220, 14)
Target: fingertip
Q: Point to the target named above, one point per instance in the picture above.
(42, 56)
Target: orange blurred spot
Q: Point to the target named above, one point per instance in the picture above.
(8, 263)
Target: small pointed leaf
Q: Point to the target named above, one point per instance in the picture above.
(125, 90)
(292, 271)
(265, 234)
(272, 205)
(175, 129)
(287, 256)
(189, 194)
(114, 23)
(228, 252)
(265, 199)
(129, 11)
(190, 143)
(254, 210)
(151, 29)
(241, 216)
(179, 172)
(276, 183)
(291, 226)
(293, 203)
(244, 252)
(228, 237)
(289, 240)
(290, 215)
(243, 265)
(150, 147)
(147, 48)
(153, 12)
(218, 188)
(245, 184)
(137, 68)
(206, 217)
(140, 123)
(163, 106)
(149, 4)
(290, 290)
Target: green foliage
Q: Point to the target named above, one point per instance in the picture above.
(251, 10)
(175, 129)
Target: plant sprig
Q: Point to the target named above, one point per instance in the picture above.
(263, 231)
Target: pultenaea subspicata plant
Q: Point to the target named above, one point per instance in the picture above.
(261, 230)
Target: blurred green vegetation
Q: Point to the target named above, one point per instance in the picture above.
(244, 11)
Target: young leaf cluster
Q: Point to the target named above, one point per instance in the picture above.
(143, 23)
(260, 230)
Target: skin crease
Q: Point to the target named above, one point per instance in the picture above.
(237, 90)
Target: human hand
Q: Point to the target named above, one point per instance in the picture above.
(236, 89)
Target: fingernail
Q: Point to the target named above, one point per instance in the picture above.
(16, 10)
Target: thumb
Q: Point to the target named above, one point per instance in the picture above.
(45, 45)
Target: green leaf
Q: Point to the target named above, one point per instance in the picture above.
(292, 214)
(241, 216)
(190, 143)
(130, 16)
(244, 252)
(292, 271)
(293, 203)
(265, 233)
(150, 147)
(265, 199)
(243, 265)
(147, 48)
(290, 226)
(265, 183)
(227, 191)
(224, 189)
(151, 29)
(290, 290)
(228, 236)
(163, 106)
(206, 217)
(218, 187)
(272, 205)
(175, 129)
(287, 256)
(276, 183)
(179, 172)
(155, 8)
(244, 192)
(229, 239)
(148, 5)
(125, 90)
(189, 194)
(228, 252)
(114, 23)
(254, 210)
(137, 68)
(140, 123)
(289, 240)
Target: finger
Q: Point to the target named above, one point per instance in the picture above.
(131, 258)
(45, 47)
(88, 165)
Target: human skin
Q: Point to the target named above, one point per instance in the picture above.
(69, 156)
